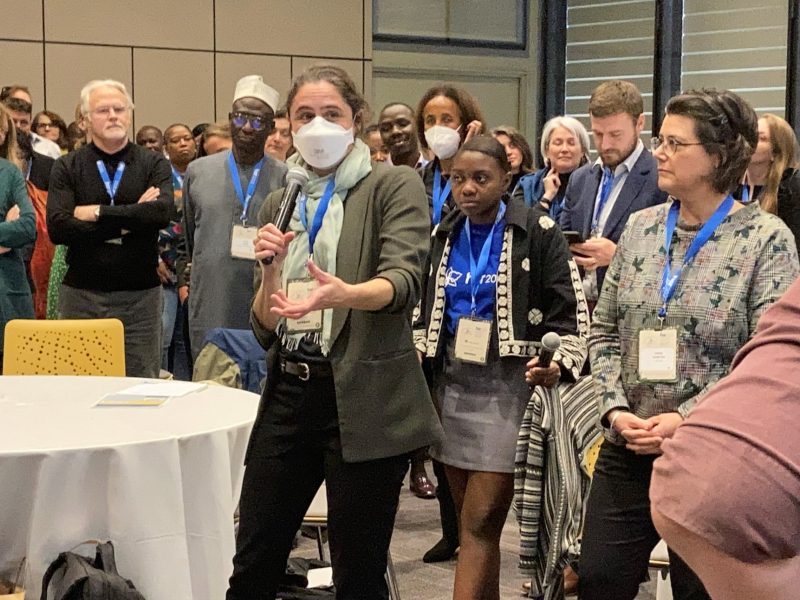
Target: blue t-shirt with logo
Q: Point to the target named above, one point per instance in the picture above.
(458, 288)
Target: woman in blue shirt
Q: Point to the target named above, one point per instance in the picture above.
(502, 277)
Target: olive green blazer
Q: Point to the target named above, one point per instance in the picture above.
(382, 399)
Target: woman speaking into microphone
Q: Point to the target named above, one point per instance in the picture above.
(346, 400)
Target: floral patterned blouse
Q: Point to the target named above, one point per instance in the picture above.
(749, 262)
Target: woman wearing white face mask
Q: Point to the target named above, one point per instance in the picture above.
(447, 116)
(346, 400)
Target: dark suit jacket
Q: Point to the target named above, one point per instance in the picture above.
(639, 191)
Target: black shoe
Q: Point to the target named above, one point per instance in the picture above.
(441, 551)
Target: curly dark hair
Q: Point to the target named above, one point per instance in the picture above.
(726, 125)
(466, 103)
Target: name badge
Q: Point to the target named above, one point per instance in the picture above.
(472, 340)
(242, 242)
(658, 355)
(298, 290)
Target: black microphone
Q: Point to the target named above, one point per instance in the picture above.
(550, 343)
(296, 180)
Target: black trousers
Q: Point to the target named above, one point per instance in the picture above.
(447, 507)
(298, 447)
(618, 534)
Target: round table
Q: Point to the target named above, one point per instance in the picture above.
(161, 483)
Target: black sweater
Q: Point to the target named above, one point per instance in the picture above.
(120, 250)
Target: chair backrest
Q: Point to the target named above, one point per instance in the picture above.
(64, 347)
(590, 458)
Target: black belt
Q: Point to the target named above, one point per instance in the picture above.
(305, 371)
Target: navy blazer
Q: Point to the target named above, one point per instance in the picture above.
(639, 191)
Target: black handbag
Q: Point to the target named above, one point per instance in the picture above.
(75, 577)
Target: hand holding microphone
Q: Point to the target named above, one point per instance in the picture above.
(541, 369)
(272, 239)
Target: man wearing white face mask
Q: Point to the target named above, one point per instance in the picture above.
(222, 195)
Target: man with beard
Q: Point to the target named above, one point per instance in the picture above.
(106, 203)
(396, 124)
(602, 195)
(222, 195)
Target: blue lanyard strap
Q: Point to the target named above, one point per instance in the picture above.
(244, 200)
(605, 193)
(477, 269)
(439, 195)
(669, 279)
(177, 180)
(319, 215)
(111, 187)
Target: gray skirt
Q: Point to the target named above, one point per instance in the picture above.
(481, 408)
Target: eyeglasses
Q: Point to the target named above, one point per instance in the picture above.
(669, 145)
(239, 119)
(105, 111)
(45, 126)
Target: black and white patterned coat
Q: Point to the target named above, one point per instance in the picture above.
(538, 290)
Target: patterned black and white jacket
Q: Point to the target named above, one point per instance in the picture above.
(538, 290)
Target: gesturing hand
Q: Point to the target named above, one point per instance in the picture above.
(551, 184)
(330, 293)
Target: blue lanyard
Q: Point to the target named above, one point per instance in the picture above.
(177, 180)
(111, 187)
(476, 270)
(605, 193)
(244, 200)
(669, 279)
(319, 215)
(439, 195)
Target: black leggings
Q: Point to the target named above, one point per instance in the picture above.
(301, 427)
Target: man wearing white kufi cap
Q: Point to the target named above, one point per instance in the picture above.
(222, 195)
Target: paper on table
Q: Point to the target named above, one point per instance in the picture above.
(150, 393)
(320, 578)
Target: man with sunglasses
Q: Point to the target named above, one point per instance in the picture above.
(222, 195)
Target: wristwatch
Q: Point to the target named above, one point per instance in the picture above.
(97, 213)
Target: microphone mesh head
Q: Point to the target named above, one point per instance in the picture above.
(298, 175)
(551, 341)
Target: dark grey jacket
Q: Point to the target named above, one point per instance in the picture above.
(382, 400)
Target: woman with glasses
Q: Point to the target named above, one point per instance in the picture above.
(51, 126)
(687, 285)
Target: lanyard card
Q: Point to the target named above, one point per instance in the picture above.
(242, 242)
(298, 290)
(472, 340)
(658, 355)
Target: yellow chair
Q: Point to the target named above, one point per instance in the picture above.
(64, 347)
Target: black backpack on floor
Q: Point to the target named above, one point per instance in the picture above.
(75, 577)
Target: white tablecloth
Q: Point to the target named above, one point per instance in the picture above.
(161, 483)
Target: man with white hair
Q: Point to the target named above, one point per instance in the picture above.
(222, 195)
(107, 202)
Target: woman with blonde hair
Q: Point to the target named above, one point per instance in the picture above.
(772, 176)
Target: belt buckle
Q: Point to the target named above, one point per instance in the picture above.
(305, 372)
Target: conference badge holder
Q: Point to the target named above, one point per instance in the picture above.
(298, 290)
(472, 340)
(658, 355)
(242, 242)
